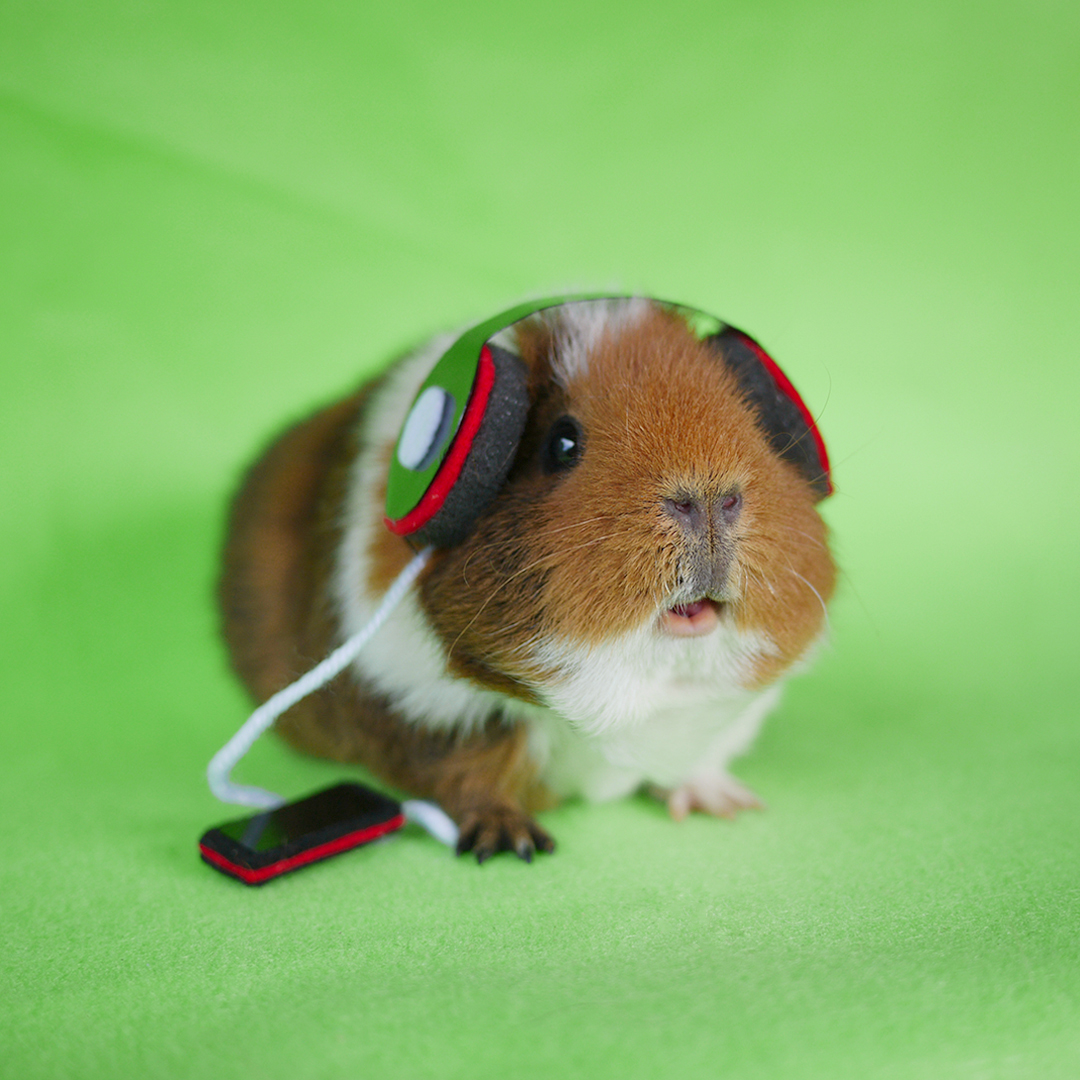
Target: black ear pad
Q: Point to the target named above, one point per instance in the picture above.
(489, 449)
(782, 414)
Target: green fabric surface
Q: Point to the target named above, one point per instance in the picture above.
(216, 215)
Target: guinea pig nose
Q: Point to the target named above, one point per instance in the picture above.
(700, 516)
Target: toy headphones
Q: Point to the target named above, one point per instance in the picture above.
(464, 426)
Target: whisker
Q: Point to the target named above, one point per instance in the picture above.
(517, 573)
(758, 574)
(824, 609)
(542, 534)
(784, 534)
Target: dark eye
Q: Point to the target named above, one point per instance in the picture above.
(564, 445)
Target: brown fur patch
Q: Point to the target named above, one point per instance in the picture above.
(268, 566)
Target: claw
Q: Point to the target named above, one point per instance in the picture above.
(467, 839)
(502, 828)
(544, 842)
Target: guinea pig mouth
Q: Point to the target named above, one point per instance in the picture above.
(691, 620)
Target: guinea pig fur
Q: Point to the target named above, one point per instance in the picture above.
(623, 614)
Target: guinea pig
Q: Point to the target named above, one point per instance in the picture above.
(621, 611)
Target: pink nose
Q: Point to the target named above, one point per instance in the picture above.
(702, 517)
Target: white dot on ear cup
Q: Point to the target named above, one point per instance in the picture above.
(425, 428)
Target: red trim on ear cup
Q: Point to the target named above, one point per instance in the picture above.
(450, 470)
(785, 386)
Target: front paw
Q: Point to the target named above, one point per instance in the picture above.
(711, 793)
(492, 829)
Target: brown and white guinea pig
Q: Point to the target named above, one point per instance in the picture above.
(621, 614)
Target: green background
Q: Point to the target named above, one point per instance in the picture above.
(217, 214)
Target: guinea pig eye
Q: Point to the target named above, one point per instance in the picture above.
(564, 446)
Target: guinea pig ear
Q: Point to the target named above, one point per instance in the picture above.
(782, 413)
(456, 447)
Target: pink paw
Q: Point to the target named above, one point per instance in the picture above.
(711, 793)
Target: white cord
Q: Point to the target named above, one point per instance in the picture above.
(433, 819)
(229, 756)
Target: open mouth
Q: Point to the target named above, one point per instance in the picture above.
(693, 619)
